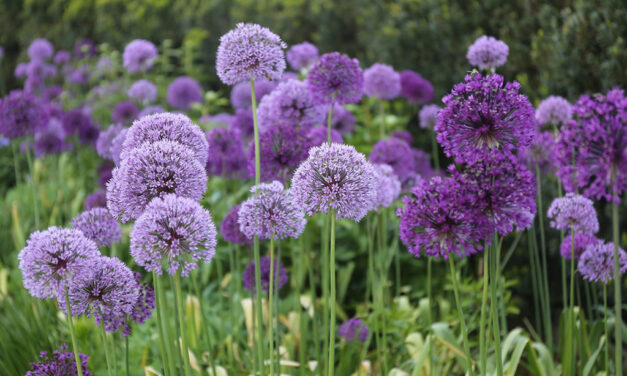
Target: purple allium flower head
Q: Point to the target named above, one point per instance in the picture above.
(415, 88)
(302, 56)
(150, 110)
(241, 96)
(226, 156)
(554, 110)
(219, 119)
(290, 103)
(336, 78)
(280, 275)
(596, 264)
(382, 81)
(282, 148)
(78, 76)
(20, 70)
(21, 114)
(74, 120)
(422, 163)
(396, 153)
(335, 177)
(98, 225)
(40, 49)
(105, 143)
(483, 115)
(319, 135)
(105, 173)
(573, 212)
(271, 211)
(403, 135)
(541, 151)
(184, 91)
(342, 120)
(84, 48)
(354, 329)
(487, 53)
(95, 199)
(59, 363)
(50, 140)
(173, 234)
(388, 186)
(428, 116)
(582, 241)
(230, 228)
(166, 126)
(143, 91)
(52, 258)
(62, 57)
(289, 76)
(154, 170)
(125, 112)
(116, 146)
(51, 93)
(139, 56)
(250, 52)
(243, 122)
(88, 135)
(143, 306)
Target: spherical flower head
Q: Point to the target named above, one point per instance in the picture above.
(302, 56)
(230, 229)
(487, 53)
(290, 103)
(540, 152)
(250, 52)
(139, 56)
(422, 164)
(166, 126)
(74, 120)
(354, 329)
(78, 76)
(553, 110)
(396, 153)
(105, 144)
(143, 307)
(59, 363)
(154, 170)
(428, 116)
(415, 88)
(381, 81)
(50, 140)
(52, 258)
(40, 49)
(582, 241)
(226, 156)
(62, 57)
(95, 199)
(143, 91)
(98, 225)
(88, 135)
(336, 78)
(116, 146)
(241, 95)
(319, 135)
(124, 112)
(282, 148)
(403, 135)
(335, 177)
(150, 110)
(173, 234)
(484, 115)
(184, 91)
(388, 186)
(21, 114)
(596, 264)
(105, 173)
(271, 212)
(243, 122)
(84, 48)
(280, 275)
(342, 120)
(575, 213)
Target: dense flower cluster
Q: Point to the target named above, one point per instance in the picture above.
(415, 88)
(388, 187)
(106, 144)
(302, 56)
(21, 114)
(354, 329)
(336, 78)
(381, 81)
(553, 110)
(282, 148)
(98, 225)
(124, 112)
(241, 97)
(59, 363)
(582, 241)
(540, 152)
(342, 120)
(50, 139)
(396, 153)
(139, 56)
(290, 104)
(230, 228)
(40, 49)
(143, 91)
(184, 91)
(573, 212)
(280, 275)
(596, 264)
(319, 135)
(487, 53)
(428, 116)
(226, 153)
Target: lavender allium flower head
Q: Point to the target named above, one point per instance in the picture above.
(150, 110)
(243, 122)
(143, 91)
(381, 81)
(573, 212)
(554, 110)
(78, 76)
(51, 93)
(74, 120)
(403, 135)
(40, 49)
(319, 135)
(21, 114)
(20, 70)
(125, 112)
(388, 186)
(59, 363)
(98, 225)
(62, 57)
(354, 329)
(280, 275)
(143, 307)
(484, 115)
(396, 153)
(302, 55)
(184, 91)
(95, 199)
(290, 103)
(226, 153)
(596, 264)
(105, 173)
(428, 116)
(422, 163)
(84, 48)
(541, 151)
(582, 241)
(241, 96)
(52, 258)
(282, 148)
(271, 211)
(230, 228)
(336, 78)
(342, 120)
(415, 88)
(166, 126)
(116, 146)
(335, 177)
(487, 53)
(139, 56)
(173, 234)
(50, 140)
(250, 52)
(105, 143)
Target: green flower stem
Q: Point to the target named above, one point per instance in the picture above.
(371, 288)
(571, 324)
(429, 311)
(534, 280)
(462, 321)
(162, 311)
(159, 323)
(329, 120)
(270, 306)
(331, 362)
(494, 278)
(312, 294)
(126, 365)
(33, 184)
(325, 291)
(382, 266)
(103, 336)
(16, 166)
(545, 276)
(382, 123)
(606, 331)
(203, 322)
(618, 325)
(484, 302)
(179, 301)
(70, 321)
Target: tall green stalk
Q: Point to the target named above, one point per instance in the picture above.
(103, 336)
(331, 362)
(179, 301)
(618, 325)
(382, 224)
(70, 321)
(162, 338)
(270, 306)
(484, 302)
(16, 167)
(462, 320)
(537, 299)
(382, 123)
(545, 275)
(371, 289)
(126, 364)
(312, 293)
(429, 311)
(329, 120)
(606, 331)
(31, 168)
(494, 278)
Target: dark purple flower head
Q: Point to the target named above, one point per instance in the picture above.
(484, 115)
(415, 88)
(422, 163)
(428, 116)
(396, 153)
(342, 120)
(59, 363)
(290, 103)
(354, 329)
(241, 95)
(52, 258)
(40, 49)
(88, 135)
(105, 144)
(540, 152)
(139, 56)
(184, 91)
(582, 241)
(84, 48)
(74, 120)
(98, 225)
(143, 91)
(596, 264)
(250, 52)
(230, 229)
(388, 186)
(487, 53)
(173, 234)
(336, 78)
(302, 56)
(553, 110)
(280, 275)
(403, 135)
(62, 57)
(21, 114)
(575, 213)
(105, 173)
(226, 153)
(124, 112)
(243, 122)
(319, 135)
(282, 149)
(381, 81)
(95, 199)
(51, 139)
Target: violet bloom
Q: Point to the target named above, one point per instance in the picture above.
(62, 57)
(243, 122)
(20, 70)
(354, 330)
(241, 95)
(21, 114)
(342, 120)
(484, 115)
(74, 120)
(52, 258)
(230, 228)
(105, 173)
(88, 135)
(280, 275)
(250, 52)
(95, 199)
(60, 362)
(336, 78)
(381, 81)
(98, 225)
(105, 143)
(116, 146)
(388, 186)
(553, 110)
(541, 152)
(290, 103)
(104, 66)
(302, 56)
(173, 234)
(596, 264)
(582, 241)
(226, 153)
(335, 177)
(124, 112)
(422, 163)
(150, 110)
(78, 76)
(184, 91)
(575, 213)
(396, 153)
(487, 53)
(51, 93)
(319, 135)
(84, 48)
(415, 88)
(282, 149)
(40, 49)
(428, 116)
(50, 140)
(143, 91)
(403, 135)
(139, 56)
(143, 307)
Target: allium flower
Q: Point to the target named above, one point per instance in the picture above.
(51, 93)
(124, 112)
(415, 88)
(104, 66)
(20, 70)
(403, 135)
(116, 146)
(282, 149)
(354, 329)
(335, 177)
(143, 307)
(173, 234)
(62, 57)
(280, 275)
(226, 156)
(166, 126)
(554, 110)
(230, 229)
(487, 53)
(290, 103)
(582, 241)
(50, 140)
(21, 114)
(388, 186)
(143, 91)
(84, 48)
(336, 78)
(541, 151)
(59, 363)
(483, 115)
(150, 110)
(40, 49)
(250, 51)
(243, 122)
(428, 116)
(222, 118)
(422, 163)
(105, 144)
(95, 199)
(78, 76)
(139, 56)
(271, 211)
(302, 55)
(396, 153)
(52, 258)
(596, 264)
(74, 120)
(105, 173)
(154, 170)
(381, 81)
(573, 212)
(342, 120)
(241, 95)
(184, 91)
(98, 225)
(88, 135)
(319, 135)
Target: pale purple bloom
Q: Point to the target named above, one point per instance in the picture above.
(487, 53)
(573, 212)
(143, 91)
(388, 186)
(381, 81)
(582, 241)
(98, 225)
(302, 55)
(280, 275)
(21, 114)
(150, 110)
(184, 91)
(540, 152)
(226, 153)
(62, 57)
(243, 122)
(95, 199)
(319, 135)
(125, 112)
(139, 56)
(220, 119)
(105, 144)
(51, 139)
(354, 329)
(78, 76)
(553, 110)
(230, 228)
(59, 364)
(282, 149)
(241, 95)
(428, 116)
(596, 264)
(396, 153)
(336, 78)
(415, 88)
(403, 135)
(290, 103)
(40, 49)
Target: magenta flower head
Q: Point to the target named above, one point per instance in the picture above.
(52, 258)
(335, 177)
(154, 170)
(250, 52)
(487, 53)
(98, 225)
(396, 153)
(105, 143)
(173, 234)
(596, 264)
(342, 120)
(226, 156)
(40, 49)
(21, 114)
(354, 329)
(139, 56)
(319, 135)
(282, 148)
(125, 112)
(60, 362)
(582, 241)
(184, 91)
(166, 126)
(575, 213)
(241, 96)
(336, 78)
(143, 91)
(381, 81)
(290, 103)
(280, 275)
(271, 211)
(95, 199)
(540, 152)
(554, 110)
(230, 228)
(483, 115)
(388, 187)
(302, 56)
(428, 116)
(415, 88)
